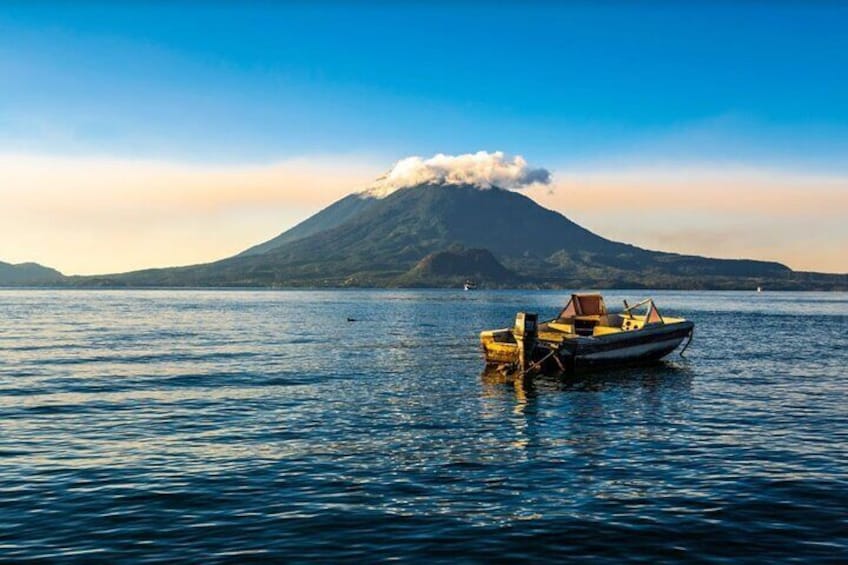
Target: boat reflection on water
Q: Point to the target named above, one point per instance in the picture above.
(575, 414)
(657, 375)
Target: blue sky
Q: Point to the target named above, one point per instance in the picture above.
(127, 126)
(574, 82)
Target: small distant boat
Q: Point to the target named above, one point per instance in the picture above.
(584, 336)
(759, 289)
(469, 285)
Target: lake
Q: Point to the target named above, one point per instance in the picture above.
(224, 426)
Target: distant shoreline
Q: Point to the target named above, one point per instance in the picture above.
(636, 290)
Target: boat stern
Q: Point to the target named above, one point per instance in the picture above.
(499, 346)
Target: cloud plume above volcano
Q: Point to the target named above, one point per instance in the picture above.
(482, 169)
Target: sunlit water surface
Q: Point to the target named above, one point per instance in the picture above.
(241, 425)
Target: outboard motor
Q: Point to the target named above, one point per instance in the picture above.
(525, 332)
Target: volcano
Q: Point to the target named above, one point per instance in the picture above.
(439, 234)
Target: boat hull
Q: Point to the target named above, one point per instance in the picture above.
(585, 353)
(649, 344)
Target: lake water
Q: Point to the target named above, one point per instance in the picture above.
(263, 426)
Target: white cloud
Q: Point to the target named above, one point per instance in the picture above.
(482, 169)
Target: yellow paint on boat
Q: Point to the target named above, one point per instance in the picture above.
(564, 328)
(605, 330)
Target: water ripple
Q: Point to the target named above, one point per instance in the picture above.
(255, 426)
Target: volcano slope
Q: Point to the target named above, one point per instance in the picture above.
(439, 235)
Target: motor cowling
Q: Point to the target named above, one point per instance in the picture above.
(525, 331)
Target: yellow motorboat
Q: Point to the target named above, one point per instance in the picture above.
(584, 335)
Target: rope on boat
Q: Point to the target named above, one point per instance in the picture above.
(536, 364)
(691, 336)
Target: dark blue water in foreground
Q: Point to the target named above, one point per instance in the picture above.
(262, 426)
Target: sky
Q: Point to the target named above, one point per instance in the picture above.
(143, 134)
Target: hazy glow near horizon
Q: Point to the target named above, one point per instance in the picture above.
(88, 216)
(101, 215)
